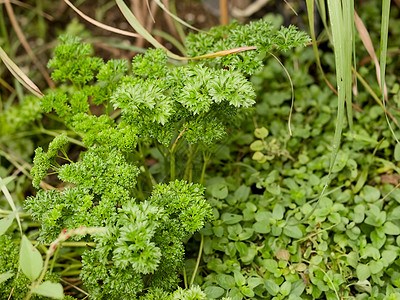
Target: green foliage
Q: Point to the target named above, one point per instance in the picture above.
(47, 160)
(121, 115)
(145, 244)
(258, 33)
(18, 284)
(72, 62)
(278, 240)
(19, 116)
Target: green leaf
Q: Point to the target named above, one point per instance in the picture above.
(30, 259)
(239, 278)
(261, 133)
(262, 226)
(271, 287)
(259, 157)
(257, 145)
(225, 281)
(247, 291)
(375, 266)
(388, 257)
(242, 193)
(293, 232)
(6, 222)
(214, 292)
(248, 256)
(219, 190)
(340, 162)
(391, 228)
(352, 259)
(370, 193)
(254, 282)
(394, 214)
(229, 218)
(278, 212)
(363, 286)
(358, 213)
(397, 152)
(363, 272)
(5, 276)
(49, 289)
(298, 288)
(285, 288)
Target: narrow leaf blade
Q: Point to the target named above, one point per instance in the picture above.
(19, 75)
(224, 52)
(6, 222)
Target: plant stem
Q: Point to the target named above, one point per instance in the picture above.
(223, 7)
(172, 153)
(189, 164)
(198, 260)
(206, 158)
(185, 278)
(52, 133)
(150, 178)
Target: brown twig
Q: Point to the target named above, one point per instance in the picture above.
(223, 7)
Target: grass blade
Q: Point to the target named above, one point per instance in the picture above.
(101, 25)
(348, 52)
(3, 187)
(19, 75)
(133, 21)
(310, 12)
(367, 42)
(223, 52)
(384, 42)
(336, 20)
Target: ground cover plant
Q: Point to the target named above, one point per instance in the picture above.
(182, 180)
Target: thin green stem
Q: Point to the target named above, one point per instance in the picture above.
(189, 164)
(185, 278)
(198, 260)
(149, 177)
(172, 154)
(172, 164)
(54, 259)
(53, 133)
(206, 158)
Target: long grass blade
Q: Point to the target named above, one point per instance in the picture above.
(348, 52)
(101, 25)
(3, 187)
(133, 21)
(342, 30)
(384, 42)
(19, 75)
(335, 13)
(310, 12)
(367, 42)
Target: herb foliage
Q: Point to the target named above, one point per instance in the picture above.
(181, 110)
